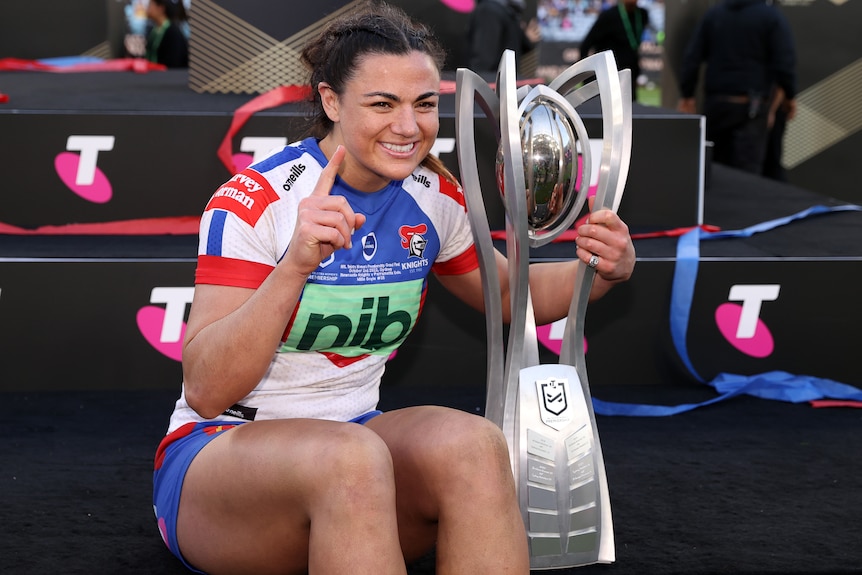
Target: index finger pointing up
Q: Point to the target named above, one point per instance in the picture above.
(327, 177)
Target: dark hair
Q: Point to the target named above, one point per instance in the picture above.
(374, 27)
(175, 10)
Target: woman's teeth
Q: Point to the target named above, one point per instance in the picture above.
(397, 148)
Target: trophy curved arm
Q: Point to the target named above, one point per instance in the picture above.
(521, 350)
(470, 90)
(569, 79)
(614, 90)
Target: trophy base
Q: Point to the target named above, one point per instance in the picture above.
(562, 488)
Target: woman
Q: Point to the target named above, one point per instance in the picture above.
(312, 269)
(166, 41)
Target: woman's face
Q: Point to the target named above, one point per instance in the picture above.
(155, 12)
(386, 118)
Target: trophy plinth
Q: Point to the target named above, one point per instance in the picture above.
(543, 171)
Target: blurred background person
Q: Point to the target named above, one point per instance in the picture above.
(748, 49)
(781, 110)
(152, 31)
(619, 29)
(496, 26)
(167, 42)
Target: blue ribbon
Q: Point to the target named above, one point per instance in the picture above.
(776, 385)
(63, 61)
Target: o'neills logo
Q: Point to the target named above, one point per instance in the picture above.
(295, 172)
(422, 179)
(241, 411)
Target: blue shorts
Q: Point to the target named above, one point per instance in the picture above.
(173, 457)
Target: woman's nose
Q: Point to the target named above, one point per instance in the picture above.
(405, 123)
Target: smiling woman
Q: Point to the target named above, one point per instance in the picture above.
(386, 118)
(393, 102)
(313, 267)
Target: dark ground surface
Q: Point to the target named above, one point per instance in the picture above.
(743, 486)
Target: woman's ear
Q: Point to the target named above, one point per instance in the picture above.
(329, 100)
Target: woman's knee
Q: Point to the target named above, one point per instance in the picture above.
(471, 446)
(356, 460)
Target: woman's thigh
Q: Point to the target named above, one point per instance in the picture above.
(249, 496)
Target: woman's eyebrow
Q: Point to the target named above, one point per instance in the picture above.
(395, 98)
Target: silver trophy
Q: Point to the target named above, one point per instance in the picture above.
(544, 169)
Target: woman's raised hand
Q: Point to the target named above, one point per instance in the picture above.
(324, 223)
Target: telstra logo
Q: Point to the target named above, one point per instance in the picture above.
(254, 149)
(741, 325)
(551, 336)
(163, 327)
(80, 172)
(460, 5)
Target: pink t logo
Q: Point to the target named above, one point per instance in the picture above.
(741, 325)
(164, 328)
(551, 336)
(80, 172)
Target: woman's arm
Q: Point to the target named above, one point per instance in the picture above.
(231, 336)
(552, 283)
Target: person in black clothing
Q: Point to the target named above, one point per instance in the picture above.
(781, 111)
(494, 27)
(166, 42)
(748, 49)
(619, 29)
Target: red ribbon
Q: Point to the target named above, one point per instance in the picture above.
(139, 65)
(180, 225)
(571, 235)
(271, 99)
(835, 403)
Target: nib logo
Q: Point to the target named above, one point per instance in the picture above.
(741, 324)
(551, 336)
(163, 327)
(79, 171)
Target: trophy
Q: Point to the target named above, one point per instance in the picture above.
(543, 171)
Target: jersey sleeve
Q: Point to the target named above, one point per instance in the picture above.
(457, 252)
(236, 245)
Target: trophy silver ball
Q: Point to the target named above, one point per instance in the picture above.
(549, 150)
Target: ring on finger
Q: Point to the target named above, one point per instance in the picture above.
(594, 261)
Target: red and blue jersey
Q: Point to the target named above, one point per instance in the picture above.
(359, 305)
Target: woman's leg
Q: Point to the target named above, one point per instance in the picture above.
(454, 483)
(291, 496)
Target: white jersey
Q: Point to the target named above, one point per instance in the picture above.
(358, 306)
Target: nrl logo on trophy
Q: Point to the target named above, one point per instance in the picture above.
(555, 402)
(543, 172)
